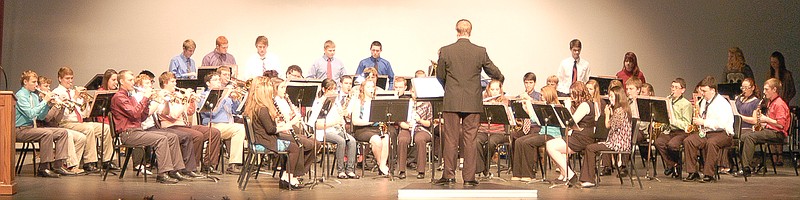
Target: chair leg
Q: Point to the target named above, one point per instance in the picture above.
(633, 167)
(245, 167)
(128, 153)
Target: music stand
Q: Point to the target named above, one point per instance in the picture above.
(396, 111)
(495, 114)
(202, 71)
(101, 108)
(729, 89)
(190, 83)
(302, 95)
(95, 82)
(383, 82)
(567, 123)
(210, 101)
(603, 82)
(653, 109)
(326, 107)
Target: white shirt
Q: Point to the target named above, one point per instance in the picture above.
(719, 115)
(256, 66)
(564, 73)
(360, 113)
(71, 116)
(333, 115)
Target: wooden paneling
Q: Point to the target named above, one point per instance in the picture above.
(7, 140)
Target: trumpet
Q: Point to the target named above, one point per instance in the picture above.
(58, 102)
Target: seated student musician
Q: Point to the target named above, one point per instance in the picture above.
(416, 131)
(221, 117)
(178, 105)
(128, 116)
(331, 125)
(156, 107)
(583, 114)
(367, 131)
(490, 135)
(526, 148)
(76, 141)
(619, 134)
(669, 143)
(294, 72)
(552, 81)
(74, 120)
(183, 65)
(263, 111)
(716, 131)
(290, 115)
(770, 127)
(29, 108)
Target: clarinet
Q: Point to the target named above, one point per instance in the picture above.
(281, 118)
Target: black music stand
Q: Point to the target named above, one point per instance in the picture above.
(566, 122)
(603, 82)
(653, 109)
(190, 83)
(495, 114)
(203, 70)
(383, 82)
(302, 95)
(730, 89)
(396, 111)
(100, 108)
(326, 107)
(95, 82)
(210, 102)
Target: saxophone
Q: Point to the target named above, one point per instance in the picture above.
(281, 118)
(757, 126)
(692, 127)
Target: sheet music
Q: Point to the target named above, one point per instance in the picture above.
(427, 87)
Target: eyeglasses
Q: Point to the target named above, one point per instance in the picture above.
(745, 87)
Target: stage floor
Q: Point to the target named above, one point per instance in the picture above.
(784, 185)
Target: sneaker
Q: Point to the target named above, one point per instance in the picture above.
(587, 185)
(143, 170)
(526, 179)
(514, 178)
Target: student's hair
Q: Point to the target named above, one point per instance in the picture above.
(753, 84)
(164, 78)
(575, 43)
(487, 94)
(327, 84)
(377, 44)
(369, 70)
(774, 83)
(209, 76)
(464, 29)
(709, 81)
(140, 79)
(293, 68)
(148, 73)
(276, 82)
(419, 71)
(270, 73)
(329, 44)
(550, 95)
(189, 44)
(620, 99)
(615, 82)
(64, 71)
(579, 94)
(221, 40)
(738, 62)
(633, 81)
(781, 65)
(260, 95)
(631, 57)
(26, 75)
(345, 77)
(220, 69)
(262, 40)
(648, 88)
(680, 82)
(45, 80)
(595, 96)
(400, 79)
(530, 76)
(362, 95)
(552, 78)
(106, 76)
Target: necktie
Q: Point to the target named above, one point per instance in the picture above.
(575, 71)
(375, 60)
(526, 126)
(189, 66)
(263, 64)
(222, 58)
(330, 73)
(77, 112)
(33, 101)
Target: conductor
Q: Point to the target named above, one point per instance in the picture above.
(459, 71)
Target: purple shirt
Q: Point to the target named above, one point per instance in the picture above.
(216, 59)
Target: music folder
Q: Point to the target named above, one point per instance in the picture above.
(518, 110)
(302, 94)
(102, 103)
(497, 114)
(390, 110)
(95, 82)
(655, 109)
(729, 89)
(202, 71)
(210, 101)
(545, 115)
(565, 118)
(427, 87)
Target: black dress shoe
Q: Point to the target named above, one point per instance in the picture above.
(692, 177)
(605, 171)
(669, 171)
(746, 171)
(286, 186)
(89, 168)
(209, 170)
(163, 178)
(708, 178)
(63, 172)
(402, 175)
(48, 173)
(470, 183)
(412, 165)
(445, 181)
(191, 174)
(179, 176)
(623, 172)
(110, 165)
(678, 172)
(421, 175)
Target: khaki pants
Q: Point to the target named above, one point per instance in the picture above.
(93, 130)
(234, 132)
(76, 149)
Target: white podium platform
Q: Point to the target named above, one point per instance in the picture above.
(482, 190)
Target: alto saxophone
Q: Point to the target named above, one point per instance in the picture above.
(757, 126)
(692, 127)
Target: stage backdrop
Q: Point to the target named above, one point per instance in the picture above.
(686, 39)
